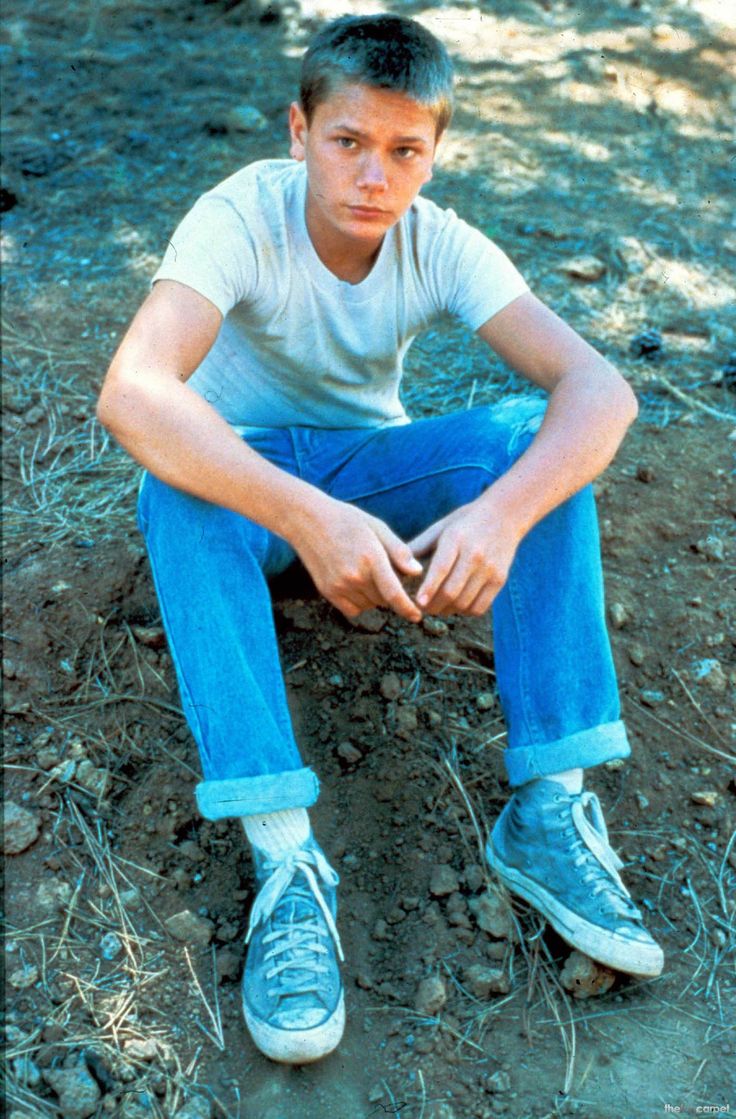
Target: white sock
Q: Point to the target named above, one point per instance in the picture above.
(277, 833)
(571, 779)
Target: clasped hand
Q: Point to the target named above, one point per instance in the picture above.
(357, 562)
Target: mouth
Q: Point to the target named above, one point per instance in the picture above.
(367, 211)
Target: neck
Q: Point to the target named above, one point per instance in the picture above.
(350, 261)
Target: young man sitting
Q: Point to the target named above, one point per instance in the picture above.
(259, 387)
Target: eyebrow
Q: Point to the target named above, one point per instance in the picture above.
(365, 136)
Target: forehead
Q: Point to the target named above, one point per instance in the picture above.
(373, 110)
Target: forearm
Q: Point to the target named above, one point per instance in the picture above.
(176, 435)
(584, 425)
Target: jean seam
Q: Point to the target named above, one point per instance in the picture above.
(517, 612)
(412, 480)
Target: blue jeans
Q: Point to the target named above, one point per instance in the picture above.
(211, 567)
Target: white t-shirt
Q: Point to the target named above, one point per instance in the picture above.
(297, 345)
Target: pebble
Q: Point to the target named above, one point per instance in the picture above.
(708, 797)
(228, 964)
(53, 894)
(245, 118)
(431, 996)
(370, 621)
(493, 915)
(23, 977)
(443, 881)
(642, 801)
(78, 1092)
(435, 626)
(587, 268)
(710, 673)
(141, 1048)
(712, 548)
(187, 926)
(390, 686)
(152, 636)
(650, 697)
(474, 876)
(636, 652)
(485, 701)
(481, 981)
(20, 828)
(584, 978)
(618, 614)
(92, 778)
(27, 1072)
(407, 721)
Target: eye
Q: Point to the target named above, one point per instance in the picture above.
(405, 153)
(346, 142)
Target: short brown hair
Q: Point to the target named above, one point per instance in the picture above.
(384, 51)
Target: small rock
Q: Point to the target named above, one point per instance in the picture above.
(228, 964)
(191, 850)
(637, 655)
(474, 876)
(349, 753)
(712, 547)
(20, 828)
(138, 1105)
(435, 626)
(498, 1082)
(141, 1048)
(198, 1107)
(485, 701)
(131, 898)
(390, 686)
(431, 996)
(493, 915)
(444, 881)
(642, 801)
(245, 118)
(645, 473)
(708, 797)
(370, 621)
(376, 1093)
(481, 981)
(53, 894)
(152, 636)
(710, 673)
(23, 977)
(27, 1072)
(93, 778)
(651, 697)
(407, 721)
(584, 978)
(587, 268)
(110, 946)
(187, 926)
(380, 930)
(78, 1092)
(618, 614)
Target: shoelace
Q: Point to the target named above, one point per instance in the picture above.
(594, 835)
(295, 939)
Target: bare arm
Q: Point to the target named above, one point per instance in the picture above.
(590, 408)
(166, 426)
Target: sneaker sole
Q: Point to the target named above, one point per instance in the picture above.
(298, 1047)
(606, 948)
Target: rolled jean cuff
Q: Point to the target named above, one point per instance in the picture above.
(582, 750)
(268, 792)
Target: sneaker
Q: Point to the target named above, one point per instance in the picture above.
(551, 848)
(293, 997)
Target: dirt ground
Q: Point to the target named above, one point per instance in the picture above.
(593, 143)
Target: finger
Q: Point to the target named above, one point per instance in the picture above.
(399, 553)
(440, 567)
(426, 540)
(392, 594)
(482, 604)
(462, 597)
(353, 604)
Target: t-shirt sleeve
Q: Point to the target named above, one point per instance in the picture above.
(473, 278)
(212, 252)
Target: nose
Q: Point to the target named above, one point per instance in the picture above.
(371, 175)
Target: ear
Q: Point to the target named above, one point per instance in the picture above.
(298, 129)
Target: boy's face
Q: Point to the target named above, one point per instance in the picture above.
(368, 152)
